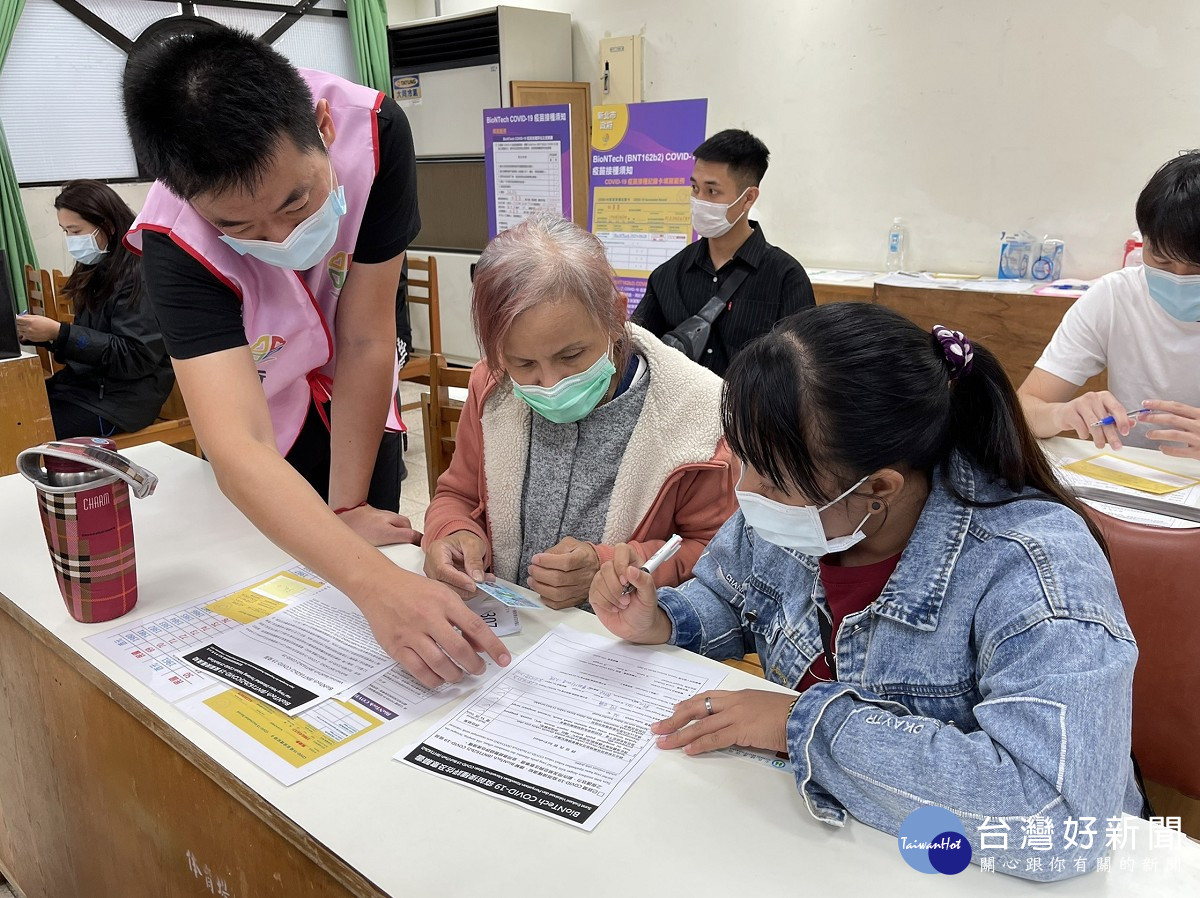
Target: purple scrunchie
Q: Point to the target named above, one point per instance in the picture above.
(957, 349)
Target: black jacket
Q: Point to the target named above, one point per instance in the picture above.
(116, 362)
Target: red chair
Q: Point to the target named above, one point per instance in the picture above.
(1158, 572)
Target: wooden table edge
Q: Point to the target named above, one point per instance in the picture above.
(283, 826)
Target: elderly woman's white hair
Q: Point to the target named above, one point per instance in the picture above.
(545, 258)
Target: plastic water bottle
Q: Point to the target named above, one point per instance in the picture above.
(1133, 250)
(897, 238)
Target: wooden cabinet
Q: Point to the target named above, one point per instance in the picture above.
(1015, 326)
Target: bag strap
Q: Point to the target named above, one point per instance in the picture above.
(720, 301)
(29, 463)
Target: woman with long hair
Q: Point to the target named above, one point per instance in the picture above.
(116, 372)
(904, 559)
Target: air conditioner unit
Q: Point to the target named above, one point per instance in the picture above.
(447, 70)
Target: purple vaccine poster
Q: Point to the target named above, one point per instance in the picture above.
(641, 198)
(527, 162)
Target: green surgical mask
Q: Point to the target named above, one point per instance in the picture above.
(573, 398)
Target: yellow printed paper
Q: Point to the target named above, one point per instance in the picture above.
(245, 607)
(284, 586)
(297, 740)
(641, 227)
(260, 599)
(1130, 474)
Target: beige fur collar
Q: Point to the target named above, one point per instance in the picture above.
(680, 425)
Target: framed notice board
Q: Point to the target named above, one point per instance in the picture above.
(577, 95)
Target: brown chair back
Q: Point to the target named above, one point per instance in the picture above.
(1157, 570)
(440, 415)
(423, 290)
(62, 301)
(39, 293)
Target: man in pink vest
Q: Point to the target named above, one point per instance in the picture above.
(272, 246)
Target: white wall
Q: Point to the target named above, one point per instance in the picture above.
(48, 240)
(964, 118)
(406, 10)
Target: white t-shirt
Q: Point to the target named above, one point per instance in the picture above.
(1118, 326)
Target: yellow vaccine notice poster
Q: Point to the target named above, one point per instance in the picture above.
(641, 165)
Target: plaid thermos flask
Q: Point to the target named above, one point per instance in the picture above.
(83, 494)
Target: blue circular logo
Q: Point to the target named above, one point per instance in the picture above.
(932, 840)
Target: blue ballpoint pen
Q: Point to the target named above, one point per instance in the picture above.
(1111, 420)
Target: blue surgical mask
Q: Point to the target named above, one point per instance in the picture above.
(84, 249)
(309, 241)
(797, 527)
(574, 397)
(1178, 294)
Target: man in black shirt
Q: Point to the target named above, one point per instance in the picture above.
(728, 169)
(265, 173)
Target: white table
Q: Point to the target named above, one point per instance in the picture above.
(369, 825)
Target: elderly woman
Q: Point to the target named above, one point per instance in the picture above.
(580, 430)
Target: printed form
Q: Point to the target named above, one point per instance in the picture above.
(148, 647)
(287, 746)
(298, 656)
(528, 177)
(565, 730)
(290, 748)
(1131, 491)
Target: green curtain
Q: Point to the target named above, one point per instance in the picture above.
(14, 229)
(368, 31)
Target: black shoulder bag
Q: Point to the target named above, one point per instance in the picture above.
(692, 336)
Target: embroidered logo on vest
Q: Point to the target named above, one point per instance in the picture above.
(339, 265)
(267, 347)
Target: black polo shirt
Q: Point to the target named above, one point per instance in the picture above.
(776, 286)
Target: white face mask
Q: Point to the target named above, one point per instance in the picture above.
(708, 219)
(309, 241)
(797, 527)
(83, 248)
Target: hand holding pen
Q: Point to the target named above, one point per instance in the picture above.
(667, 552)
(1109, 420)
(1097, 416)
(624, 598)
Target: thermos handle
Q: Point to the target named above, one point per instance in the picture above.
(140, 480)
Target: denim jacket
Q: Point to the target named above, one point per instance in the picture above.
(992, 676)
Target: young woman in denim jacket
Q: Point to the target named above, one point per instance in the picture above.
(906, 559)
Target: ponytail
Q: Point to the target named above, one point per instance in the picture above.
(988, 426)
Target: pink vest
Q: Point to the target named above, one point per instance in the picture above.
(289, 316)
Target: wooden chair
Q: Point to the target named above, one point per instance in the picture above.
(62, 301)
(439, 415)
(172, 427)
(39, 291)
(422, 274)
(750, 664)
(1156, 570)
